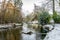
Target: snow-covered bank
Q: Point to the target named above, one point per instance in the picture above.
(5, 26)
(54, 34)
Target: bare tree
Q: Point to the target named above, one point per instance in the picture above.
(51, 5)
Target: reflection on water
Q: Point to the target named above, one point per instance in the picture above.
(28, 37)
(9, 33)
(33, 36)
(15, 34)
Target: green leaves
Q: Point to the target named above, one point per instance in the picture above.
(56, 18)
(44, 18)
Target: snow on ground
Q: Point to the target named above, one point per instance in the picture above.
(50, 26)
(5, 26)
(54, 34)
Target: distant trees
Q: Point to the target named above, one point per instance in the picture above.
(10, 13)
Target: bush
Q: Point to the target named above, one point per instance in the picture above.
(44, 18)
(56, 18)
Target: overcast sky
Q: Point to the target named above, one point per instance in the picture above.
(28, 5)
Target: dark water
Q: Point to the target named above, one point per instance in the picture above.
(16, 35)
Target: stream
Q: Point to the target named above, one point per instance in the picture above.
(33, 36)
(17, 34)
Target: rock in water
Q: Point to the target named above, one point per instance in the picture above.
(28, 33)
